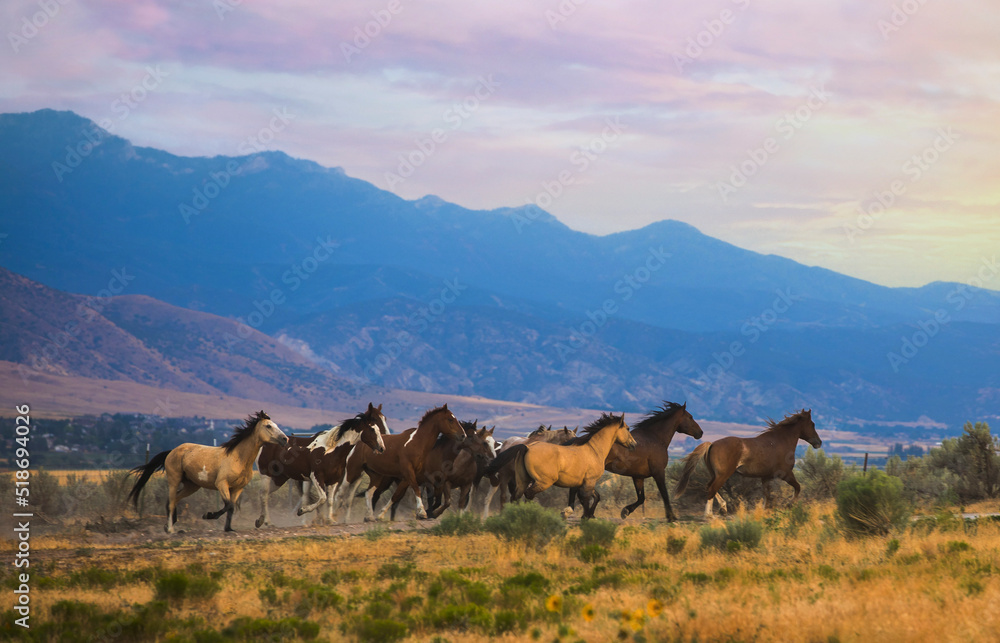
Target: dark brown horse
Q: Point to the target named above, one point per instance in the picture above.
(403, 459)
(456, 466)
(503, 478)
(319, 458)
(767, 456)
(649, 458)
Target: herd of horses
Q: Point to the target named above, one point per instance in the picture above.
(443, 454)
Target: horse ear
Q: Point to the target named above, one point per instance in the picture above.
(685, 405)
(379, 409)
(370, 407)
(445, 407)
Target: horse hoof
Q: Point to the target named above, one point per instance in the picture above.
(671, 518)
(369, 519)
(300, 513)
(422, 516)
(207, 516)
(259, 522)
(625, 513)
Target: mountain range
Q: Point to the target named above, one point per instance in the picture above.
(336, 285)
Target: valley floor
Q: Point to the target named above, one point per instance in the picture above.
(937, 580)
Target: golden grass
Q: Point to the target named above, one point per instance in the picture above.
(806, 585)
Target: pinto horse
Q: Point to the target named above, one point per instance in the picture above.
(503, 476)
(649, 459)
(228, 468)
(319, 459)
(540, 465)
(767, 456)
(403, 459)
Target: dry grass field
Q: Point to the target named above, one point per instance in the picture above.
(937, 580)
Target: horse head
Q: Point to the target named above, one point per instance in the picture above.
(623, 436)
(268, 431)
(475, 443)
(807, 430)
(371, 428)
(445, 422)
(490, 442)
(687, 425)
(376, 414)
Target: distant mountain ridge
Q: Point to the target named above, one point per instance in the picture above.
(341, 270)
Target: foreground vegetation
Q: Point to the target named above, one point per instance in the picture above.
(793, 574)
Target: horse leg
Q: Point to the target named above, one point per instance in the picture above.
(719, 478)
(320, 489)
(350, 491)
(571, 501)
(790, 479)
(766, 484)
(640, 496)
(177, 493)
(232, 507)
(330, 495)
(273, 484)
(446, 501)
(661, 485)
(489, 498)
(397, 496)
(465, 498)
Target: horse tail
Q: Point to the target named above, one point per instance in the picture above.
(505, 458)
(145, 472)
(690, 462)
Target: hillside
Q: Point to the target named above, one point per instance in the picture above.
(507, 304)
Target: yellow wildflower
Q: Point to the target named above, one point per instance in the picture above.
(654, 608)
(554, 603)
(588, 612)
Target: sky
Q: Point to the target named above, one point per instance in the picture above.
(859, 135)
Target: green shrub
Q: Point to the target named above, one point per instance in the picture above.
(675, 545)
(178, 586)
(592, 553)
(871, 504)
(737, 535)
(463, 616)
(527, 523)
(598, 532)
(820, 473)
(532, 581)
(459, 524)
(379, 630)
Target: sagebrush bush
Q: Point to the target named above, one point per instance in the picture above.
(598, 532)
(736, 535)
(528, 523)
(459, 524)
(873, 504)
(820, 473)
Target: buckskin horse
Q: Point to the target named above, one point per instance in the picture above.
(503, 477)
(649, 459)
(227, 468)
(540, 465)
(319, 459)
(769, 455)
(402, 459)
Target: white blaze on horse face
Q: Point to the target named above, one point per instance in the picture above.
(378, 438)
(492, 444)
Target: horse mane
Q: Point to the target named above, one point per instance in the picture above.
(594, 427)
(658, 415)
(428, 414)
(541, 429)
(350, 424)
(784, 423)
(241, 433)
